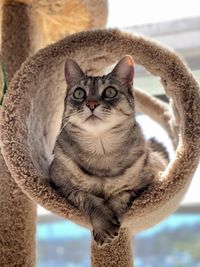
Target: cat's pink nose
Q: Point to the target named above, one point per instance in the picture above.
(92, 104)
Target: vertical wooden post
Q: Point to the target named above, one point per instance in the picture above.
(117, 254)
(18, 212)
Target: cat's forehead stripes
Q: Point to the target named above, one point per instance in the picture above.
(94, 85)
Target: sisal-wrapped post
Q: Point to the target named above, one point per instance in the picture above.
(18, 212)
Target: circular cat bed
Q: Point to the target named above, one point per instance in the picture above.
(58, 18)
(33, 107)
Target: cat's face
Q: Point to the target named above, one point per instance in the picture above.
(94, 103)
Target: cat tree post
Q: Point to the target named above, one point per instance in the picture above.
(118, 253)
(18, 212)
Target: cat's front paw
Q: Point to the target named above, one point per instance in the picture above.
(105, 227)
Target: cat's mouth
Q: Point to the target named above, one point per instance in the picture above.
(93, 117)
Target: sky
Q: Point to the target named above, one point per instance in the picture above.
(126, 13)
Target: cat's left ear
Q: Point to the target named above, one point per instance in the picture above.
(73, 73)
(124, 70)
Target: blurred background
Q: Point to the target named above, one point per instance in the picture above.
(176, 241)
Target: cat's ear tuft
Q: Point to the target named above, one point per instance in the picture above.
(124, 70)
(73, 73)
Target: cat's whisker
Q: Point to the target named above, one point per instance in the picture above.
(64, 125)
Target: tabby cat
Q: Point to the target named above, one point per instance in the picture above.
(102, 161)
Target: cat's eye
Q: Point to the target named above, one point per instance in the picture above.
(109, 92)
(79, 93)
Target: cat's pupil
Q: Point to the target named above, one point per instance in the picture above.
(79, 93)
(110, 92)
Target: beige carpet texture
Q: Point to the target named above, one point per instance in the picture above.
(31, 120)
(18, 212)
(58, 18)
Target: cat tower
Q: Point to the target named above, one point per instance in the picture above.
(31, 119)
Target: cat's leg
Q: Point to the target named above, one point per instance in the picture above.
(104, 221)
(121, 202)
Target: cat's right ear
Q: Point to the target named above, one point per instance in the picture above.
(124, 70)
(73, 73)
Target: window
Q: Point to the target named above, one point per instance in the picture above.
(172, 243)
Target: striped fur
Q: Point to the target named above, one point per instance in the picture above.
(102, 164)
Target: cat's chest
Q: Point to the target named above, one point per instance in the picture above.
(129, 180)
(99, 144)
(108, 185)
